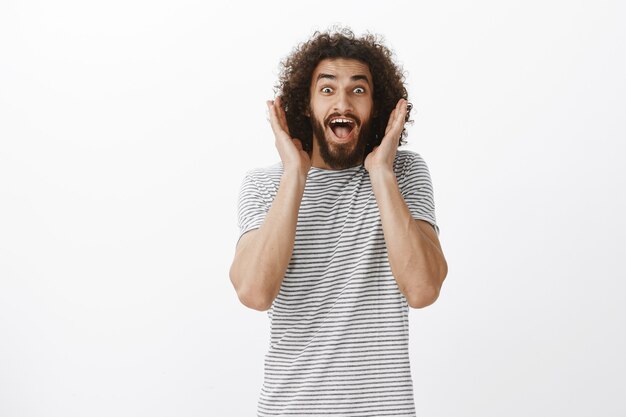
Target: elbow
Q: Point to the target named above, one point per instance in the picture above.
(423, 297)
(253, 302)
(250, 298)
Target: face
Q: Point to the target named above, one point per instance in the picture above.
(340, 111)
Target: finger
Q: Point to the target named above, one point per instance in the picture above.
(281, 114)
(276, 128)
(404, 107)
(393, 117)
(396, 123)
(400, 116)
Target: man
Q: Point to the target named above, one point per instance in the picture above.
(339, 238)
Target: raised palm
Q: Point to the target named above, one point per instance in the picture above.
(290, 149)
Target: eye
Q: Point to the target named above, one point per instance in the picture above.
(359, 90)
(327, 90)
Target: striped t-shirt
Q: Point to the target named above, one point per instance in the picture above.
(339, 325)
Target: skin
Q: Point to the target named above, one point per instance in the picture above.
(414, 251)
(340, 88)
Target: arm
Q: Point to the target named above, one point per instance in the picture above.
(415, 256)
(262, 255)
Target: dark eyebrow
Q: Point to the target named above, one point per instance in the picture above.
(360, 77)
(322, 75)
(353, 78)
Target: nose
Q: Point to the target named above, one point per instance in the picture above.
(343, 104)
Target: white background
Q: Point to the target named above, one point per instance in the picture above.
(126, 128)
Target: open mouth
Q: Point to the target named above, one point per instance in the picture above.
(342, 127)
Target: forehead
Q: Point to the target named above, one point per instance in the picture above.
(341, 68)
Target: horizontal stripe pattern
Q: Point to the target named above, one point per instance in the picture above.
(339, 326)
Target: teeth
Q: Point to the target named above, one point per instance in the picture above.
(342, 121)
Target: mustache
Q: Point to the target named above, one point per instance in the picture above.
(352, 116)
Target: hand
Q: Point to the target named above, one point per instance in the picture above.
(290, 149)
(382, 156)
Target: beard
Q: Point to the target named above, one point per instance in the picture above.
(342, 155)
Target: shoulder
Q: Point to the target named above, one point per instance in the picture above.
(407, 160)
(261, 183)
(266, 174)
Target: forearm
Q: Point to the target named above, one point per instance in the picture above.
(261, 261)
(416, 262)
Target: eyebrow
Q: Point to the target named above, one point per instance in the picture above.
(353, 78)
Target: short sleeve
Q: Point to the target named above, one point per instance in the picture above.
(417, 190)
(252, 207)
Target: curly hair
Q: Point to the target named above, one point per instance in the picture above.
(297, 71)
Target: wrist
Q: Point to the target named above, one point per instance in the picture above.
(382, 179)
(297, 173)
(382, 172)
